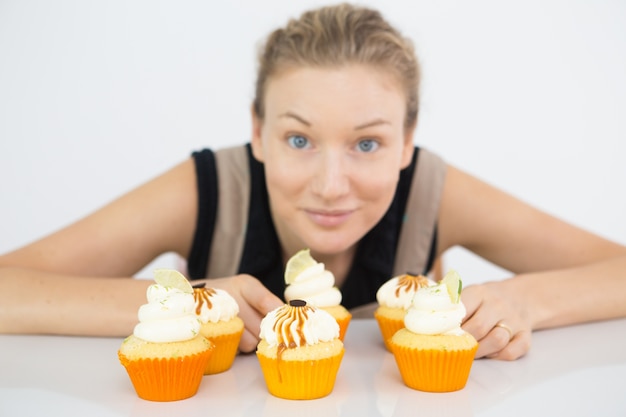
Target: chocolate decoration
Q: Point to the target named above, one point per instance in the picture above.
(297, 303)
(199, 285)
(413, 274)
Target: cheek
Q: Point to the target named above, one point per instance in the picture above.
(284, 183)
(379, 192)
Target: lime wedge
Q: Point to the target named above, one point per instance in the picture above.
(298, 263)
(173, 279)
(453, 283)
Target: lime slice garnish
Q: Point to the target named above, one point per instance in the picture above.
(173, 279)
(298, 263)
(453, 283)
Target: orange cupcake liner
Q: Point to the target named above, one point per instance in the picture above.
(224, 352)
(434, 370)
(166, 379)
(343, 326)
(300, 380)
(388, 327)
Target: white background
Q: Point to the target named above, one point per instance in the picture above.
(97, 97)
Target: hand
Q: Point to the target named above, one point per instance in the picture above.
(254, 300)
(497, 319)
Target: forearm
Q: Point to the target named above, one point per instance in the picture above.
(588, 293)
(36, 302)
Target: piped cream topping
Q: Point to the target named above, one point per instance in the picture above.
(398, 292)
(169, 316)
(433, 312)
(298, 324)
(214, 305)
(316, 286)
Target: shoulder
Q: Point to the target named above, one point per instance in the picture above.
(425, 178)
(431, 164)
(467, 204)
(225, 159)
(424, 162)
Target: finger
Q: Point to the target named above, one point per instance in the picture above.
(259, 297)
(248, 342)
(516, 348)
(252, 321)
(471, 300)
(478, 320)
(495, 341)
(483, 314)
(254, 301)
(257, 302)
(480, 324)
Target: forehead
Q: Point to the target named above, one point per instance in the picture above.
(356, 87)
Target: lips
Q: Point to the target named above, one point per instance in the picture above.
(326, 218)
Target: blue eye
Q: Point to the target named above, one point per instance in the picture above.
(367, 145)
(298, 142)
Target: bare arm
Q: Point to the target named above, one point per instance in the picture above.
(38, 302)
(90, 306)
(77, 280)
(565, 275)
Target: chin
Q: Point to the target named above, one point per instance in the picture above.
(326, 245)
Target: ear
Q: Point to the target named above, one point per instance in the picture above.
(257, 125)
(408, 148)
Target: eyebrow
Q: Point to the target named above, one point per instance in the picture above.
(375, 122)
(295, 116)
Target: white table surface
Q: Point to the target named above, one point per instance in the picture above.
(571, 371)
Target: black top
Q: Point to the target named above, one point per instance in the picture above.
(261, 256)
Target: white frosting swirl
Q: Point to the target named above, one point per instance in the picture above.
(298, 326)
(398, 292)
(316, 286)
(169, 316)
(433, 312)
(214, 305)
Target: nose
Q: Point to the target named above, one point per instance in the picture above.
(331, 179)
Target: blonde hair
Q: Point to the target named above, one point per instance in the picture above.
(340, 35)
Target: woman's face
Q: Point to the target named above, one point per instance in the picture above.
(333, 143)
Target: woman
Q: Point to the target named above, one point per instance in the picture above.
(331, 166)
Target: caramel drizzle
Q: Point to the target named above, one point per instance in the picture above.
(284, 319)
(203, 296)
(409, 282)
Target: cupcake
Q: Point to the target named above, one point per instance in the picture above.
(394, 298)
(217, 311)
(165, 357)
(432, 352)
(307, 280)
(300, 351)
